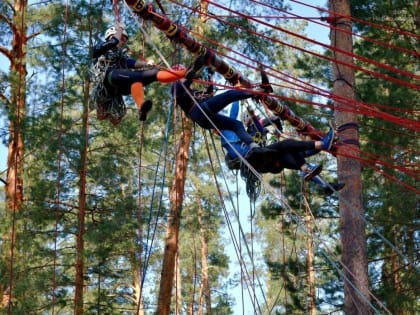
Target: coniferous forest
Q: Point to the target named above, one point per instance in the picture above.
(145, 217)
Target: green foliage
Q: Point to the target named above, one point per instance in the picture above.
(124, 235)
(393, 218)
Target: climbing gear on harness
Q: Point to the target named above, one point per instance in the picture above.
(107, 106)
(252, 183)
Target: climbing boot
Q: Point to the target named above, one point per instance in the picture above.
(328, 140)
(265, 83)
(312, 171)
(333, 187)
(144, 109)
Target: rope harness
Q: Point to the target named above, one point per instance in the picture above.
(107, 106)
(252, 183)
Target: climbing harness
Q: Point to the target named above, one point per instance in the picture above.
(111, 107)
(107, 106)
(252, 182)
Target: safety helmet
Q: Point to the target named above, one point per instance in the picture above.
(113, 30)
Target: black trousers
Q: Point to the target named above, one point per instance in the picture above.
(275, 157)
(120, 80)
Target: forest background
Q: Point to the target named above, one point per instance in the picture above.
(122, 176)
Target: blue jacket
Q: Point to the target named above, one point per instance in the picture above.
(229, 136)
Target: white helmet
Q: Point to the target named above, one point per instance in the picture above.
(113, 30)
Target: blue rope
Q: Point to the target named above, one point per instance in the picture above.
(151, 234)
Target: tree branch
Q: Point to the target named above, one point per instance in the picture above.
(6, 52)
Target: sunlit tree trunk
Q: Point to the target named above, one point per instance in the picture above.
(176, 200)
(16, 116)
(352, 226)
(178, 286)
(176, 196)
(80, 247)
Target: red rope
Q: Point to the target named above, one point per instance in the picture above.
(380, 26)
(345, 104)
(374, 161)
(329, 25)
(116, 11)
(359, 57)
(352, 105)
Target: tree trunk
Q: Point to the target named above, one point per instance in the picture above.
(205, 285)
(310, 263)
(137, 265)
(17, 113)
(178, 286)
(352, 226)
(79, 283)
(176, 196)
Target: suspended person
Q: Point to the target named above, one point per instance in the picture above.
(115, 75)
(288, 153)
(204, 107)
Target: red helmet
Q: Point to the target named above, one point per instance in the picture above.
(178, 67)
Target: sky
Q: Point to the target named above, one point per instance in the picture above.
(316, 32)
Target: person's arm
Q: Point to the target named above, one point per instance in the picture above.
(132, 63)
(177, 88)
(102, 48)
(259, 125)
(273, 120)
(256, 122)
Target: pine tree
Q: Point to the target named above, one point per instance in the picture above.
(390, 25)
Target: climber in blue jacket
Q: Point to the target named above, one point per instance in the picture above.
(275, 157)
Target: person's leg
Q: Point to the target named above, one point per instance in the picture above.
(216, 103)
(291, 145)
(137, 92)
(295, 159)
(289, 160)
(170, 75)
(227, 123)
(122, 79)
(208, 120)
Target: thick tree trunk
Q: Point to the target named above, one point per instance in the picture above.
(178, 287)
(80, 248)
(352, 226)
(17, 113)
(172, 234)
